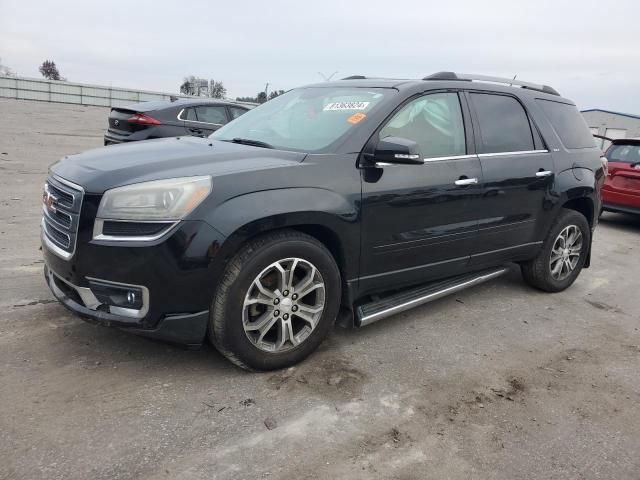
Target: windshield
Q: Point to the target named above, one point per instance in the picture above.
(305, 119)
(624, 153)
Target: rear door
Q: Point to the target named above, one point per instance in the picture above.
(518, 172)
(203, 120)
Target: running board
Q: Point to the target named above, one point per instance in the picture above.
(408, 299)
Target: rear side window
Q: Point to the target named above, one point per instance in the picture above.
(216, 115)
(189, 114)
(236, 112)
(504, 124)
(568, 124)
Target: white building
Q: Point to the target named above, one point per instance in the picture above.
(612, 124)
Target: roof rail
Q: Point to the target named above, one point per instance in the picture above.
(485, 78)
(355, 77)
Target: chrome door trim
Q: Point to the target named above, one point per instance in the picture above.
(508, 154)
(452, 157)
(427, 160)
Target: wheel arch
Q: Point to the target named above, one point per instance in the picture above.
(583, 205)
(328, 216)
(578, 191)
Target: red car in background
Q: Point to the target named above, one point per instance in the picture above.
(621, 190)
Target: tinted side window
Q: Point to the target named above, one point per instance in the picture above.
(568, 123)
(215, 115)
(189, 114)
(434, 122)
(504, 125)
(236, 112)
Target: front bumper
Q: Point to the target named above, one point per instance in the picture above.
(611, 207)
(175, 276)
(186, 329)
(623, 202)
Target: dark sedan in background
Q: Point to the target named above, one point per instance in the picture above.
(165, 118)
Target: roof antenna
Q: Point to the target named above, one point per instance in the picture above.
(514, 77)
(327, 78)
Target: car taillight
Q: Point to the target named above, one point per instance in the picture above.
(605, 164)
(142, 119)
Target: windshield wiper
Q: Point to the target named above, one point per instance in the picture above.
(254, 143)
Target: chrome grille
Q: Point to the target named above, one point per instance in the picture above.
(61, 202)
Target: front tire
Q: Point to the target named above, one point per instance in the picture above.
(277, 301)
(562, 256)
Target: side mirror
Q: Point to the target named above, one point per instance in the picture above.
(398, 150)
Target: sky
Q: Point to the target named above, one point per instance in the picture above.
(587, 50)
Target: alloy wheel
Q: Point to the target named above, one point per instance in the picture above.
(283, 305)
(565, 253)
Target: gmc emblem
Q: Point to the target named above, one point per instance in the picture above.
(50, 201)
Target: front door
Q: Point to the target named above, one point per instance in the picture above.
(418, 221)
(518, 173)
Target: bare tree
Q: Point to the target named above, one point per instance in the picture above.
(275, 93)
(6, 71)
(201, 87)
(49, 70)
(217, 89)
(187, 85)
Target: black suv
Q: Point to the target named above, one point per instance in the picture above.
(199, 117)
(349, 200)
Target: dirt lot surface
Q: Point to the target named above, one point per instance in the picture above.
(498, 382)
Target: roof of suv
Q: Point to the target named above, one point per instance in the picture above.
(448, 80)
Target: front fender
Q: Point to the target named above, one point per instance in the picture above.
(245, 216)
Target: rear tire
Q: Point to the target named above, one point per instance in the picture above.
(277, 300)
(562, 256)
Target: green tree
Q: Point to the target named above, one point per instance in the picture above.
(261, 97)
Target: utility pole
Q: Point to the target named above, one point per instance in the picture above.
(266, 91)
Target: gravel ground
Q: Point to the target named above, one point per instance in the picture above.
(497, 382)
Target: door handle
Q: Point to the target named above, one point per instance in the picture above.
(195, 130)
(544, 173)
(466, 181)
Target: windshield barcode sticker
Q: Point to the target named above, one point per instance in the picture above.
(346, 106)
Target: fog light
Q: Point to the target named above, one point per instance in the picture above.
(116, 295)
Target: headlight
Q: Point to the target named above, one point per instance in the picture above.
(160, 200)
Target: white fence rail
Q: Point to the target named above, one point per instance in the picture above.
(67, 92)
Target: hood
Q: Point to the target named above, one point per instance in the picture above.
(116, 165)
